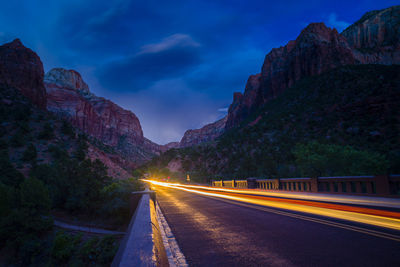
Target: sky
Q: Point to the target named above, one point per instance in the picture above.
(175, 64)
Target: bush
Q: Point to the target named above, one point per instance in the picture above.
(9, 175)
(67, 129)
(47, 132)
(30, 154)
(98, 250)
(64, 246)
(315, 159)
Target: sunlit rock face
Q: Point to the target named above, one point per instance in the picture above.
(69, 96)
(374, 39)
(205, 134)
(21, 68)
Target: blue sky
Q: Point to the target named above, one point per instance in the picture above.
(175, 64)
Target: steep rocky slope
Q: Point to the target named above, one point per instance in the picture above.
(373, 39)
(69, 96)
(22, 69)
(207, 133)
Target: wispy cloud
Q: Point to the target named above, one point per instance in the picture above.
(177, 40)
(338, 24)
(223, 110)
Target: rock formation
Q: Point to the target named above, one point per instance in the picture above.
(21, 68)
(373, 39)
(69, 96)
(205, 134)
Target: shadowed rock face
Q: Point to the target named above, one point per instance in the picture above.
(205, 134)
(69, 96)
(22, 69)
(374, 39)
(316, 50)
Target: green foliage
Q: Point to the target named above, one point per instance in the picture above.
(99, 250)
(19, 139)
(67, 129)
(81, 151)
(35, 197)
(47, 132)
(64, 246)
(315, 159)
(116, 199)
(30, 154)
(9, 175)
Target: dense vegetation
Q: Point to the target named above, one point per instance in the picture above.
(344, 122)
(44, 169)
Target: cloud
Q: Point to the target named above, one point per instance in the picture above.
(171, 42)
(224, 110)
(338, 24)
(173, 56)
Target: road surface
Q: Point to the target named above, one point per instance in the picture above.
(221, 232)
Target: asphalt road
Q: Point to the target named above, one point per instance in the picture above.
(217, 232)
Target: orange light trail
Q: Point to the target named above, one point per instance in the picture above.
(381, 218)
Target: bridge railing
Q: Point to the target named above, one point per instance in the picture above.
(379, 185)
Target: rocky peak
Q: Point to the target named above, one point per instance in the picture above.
(68, 79)
(22, 69)
(316, 50)
(375, 38)
(15, 44)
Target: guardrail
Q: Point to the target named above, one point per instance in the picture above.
(142, 245)
(380, 185)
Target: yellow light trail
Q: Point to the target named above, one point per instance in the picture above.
(381, 221)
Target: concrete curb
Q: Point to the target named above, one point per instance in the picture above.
(174, 254)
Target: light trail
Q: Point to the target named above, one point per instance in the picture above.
(381, 221)
(360, 200)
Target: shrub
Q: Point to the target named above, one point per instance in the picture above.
(47, 132)
(30, 154)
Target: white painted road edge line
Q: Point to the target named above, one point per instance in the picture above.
(174, 253)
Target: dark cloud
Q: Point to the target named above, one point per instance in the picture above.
(173, 56)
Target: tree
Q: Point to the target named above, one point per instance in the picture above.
(315, 159)
(30, 154)
(47, 132)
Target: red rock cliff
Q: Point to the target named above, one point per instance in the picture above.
(22, 69)
(376, 36)
(205, 134)
(375, 39)
(316, 50)
(68, 95)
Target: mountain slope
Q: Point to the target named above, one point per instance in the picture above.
(69, 97)
(351, 106)
(374, 39)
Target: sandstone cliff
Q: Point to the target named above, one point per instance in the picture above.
(21, 68)
(69, 96)
(374, 39)
(205, 134)
(376, 36)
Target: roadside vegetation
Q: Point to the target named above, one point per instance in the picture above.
(45, 171)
